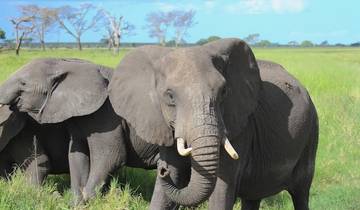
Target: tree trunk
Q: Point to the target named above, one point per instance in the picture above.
(18, 44)
(109, 44)
(162, 41)
(117, 44)
(42, 37)
(17, 50)
(42, 45)
(79, 43)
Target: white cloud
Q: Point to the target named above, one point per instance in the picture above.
(209, 5)
(265, 6)
(294, 6)
(248, 7)
(166, 7)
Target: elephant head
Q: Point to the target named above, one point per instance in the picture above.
(52, 90)
(199, 96)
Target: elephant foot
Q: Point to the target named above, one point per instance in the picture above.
(77, 200)
(87, 195)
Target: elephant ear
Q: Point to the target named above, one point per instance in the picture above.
(78, 88)
(11, 123)
(243, 82)
(133, 95)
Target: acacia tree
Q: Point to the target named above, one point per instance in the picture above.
(75, 20)
(183, 20)
(116, 27)
(43, 20)
(293, 43)
(2, 34)
(158, 24)
(23, 26)
(252, 38)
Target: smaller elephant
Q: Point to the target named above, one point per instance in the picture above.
(37, 149)
(73, 94)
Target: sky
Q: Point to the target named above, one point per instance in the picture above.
(279, 21)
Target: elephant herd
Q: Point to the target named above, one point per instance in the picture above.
(216, 123)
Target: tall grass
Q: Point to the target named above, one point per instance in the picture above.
(332, 77)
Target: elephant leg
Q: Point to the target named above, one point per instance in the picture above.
(5, 165)
(300, 198)
(223, 196)
(250, 204)
(31, 157)
(300, 188)
(79, 165)
(38, 169)
(180, 174)
(107, 153)
(302, 176)
(5, 168)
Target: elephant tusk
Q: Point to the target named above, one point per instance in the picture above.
(1, 105)
(230, 149)
(181, 147)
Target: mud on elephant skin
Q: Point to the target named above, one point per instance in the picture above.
(36, 149)
(212, 100)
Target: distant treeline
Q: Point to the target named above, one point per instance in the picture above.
(73, 45)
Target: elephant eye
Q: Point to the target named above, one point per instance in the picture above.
(219, 63)
(224, 93)
(169, 97)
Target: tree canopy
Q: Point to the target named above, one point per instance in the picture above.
(160, 23)
(306, 43)
(209, 39)
(2, 34)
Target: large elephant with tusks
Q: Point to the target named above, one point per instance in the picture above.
(207, 101)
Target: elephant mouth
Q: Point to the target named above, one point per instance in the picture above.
(183, 151)
(15, 104)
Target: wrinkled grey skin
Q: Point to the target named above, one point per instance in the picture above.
(205, 93)
(37, 150)
(73, 93)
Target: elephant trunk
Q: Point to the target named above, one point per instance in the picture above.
(8, 91)
(204, 165)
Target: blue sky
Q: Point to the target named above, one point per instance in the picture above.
(275, 20)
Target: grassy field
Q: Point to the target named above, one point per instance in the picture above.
(332, 77)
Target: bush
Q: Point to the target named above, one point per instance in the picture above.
(306, 43)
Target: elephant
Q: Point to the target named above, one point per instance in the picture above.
(73, 93)
(248, 128)
(38, 150)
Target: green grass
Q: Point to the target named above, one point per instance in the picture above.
(332, 76)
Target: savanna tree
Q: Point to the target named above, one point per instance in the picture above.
(293, 43)
(160, 22)
(2, 34)
(252, 38)
(183, 20)
(158, 25)
(23, 26)
(77, 21)
(116, 27)
(43, 20)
